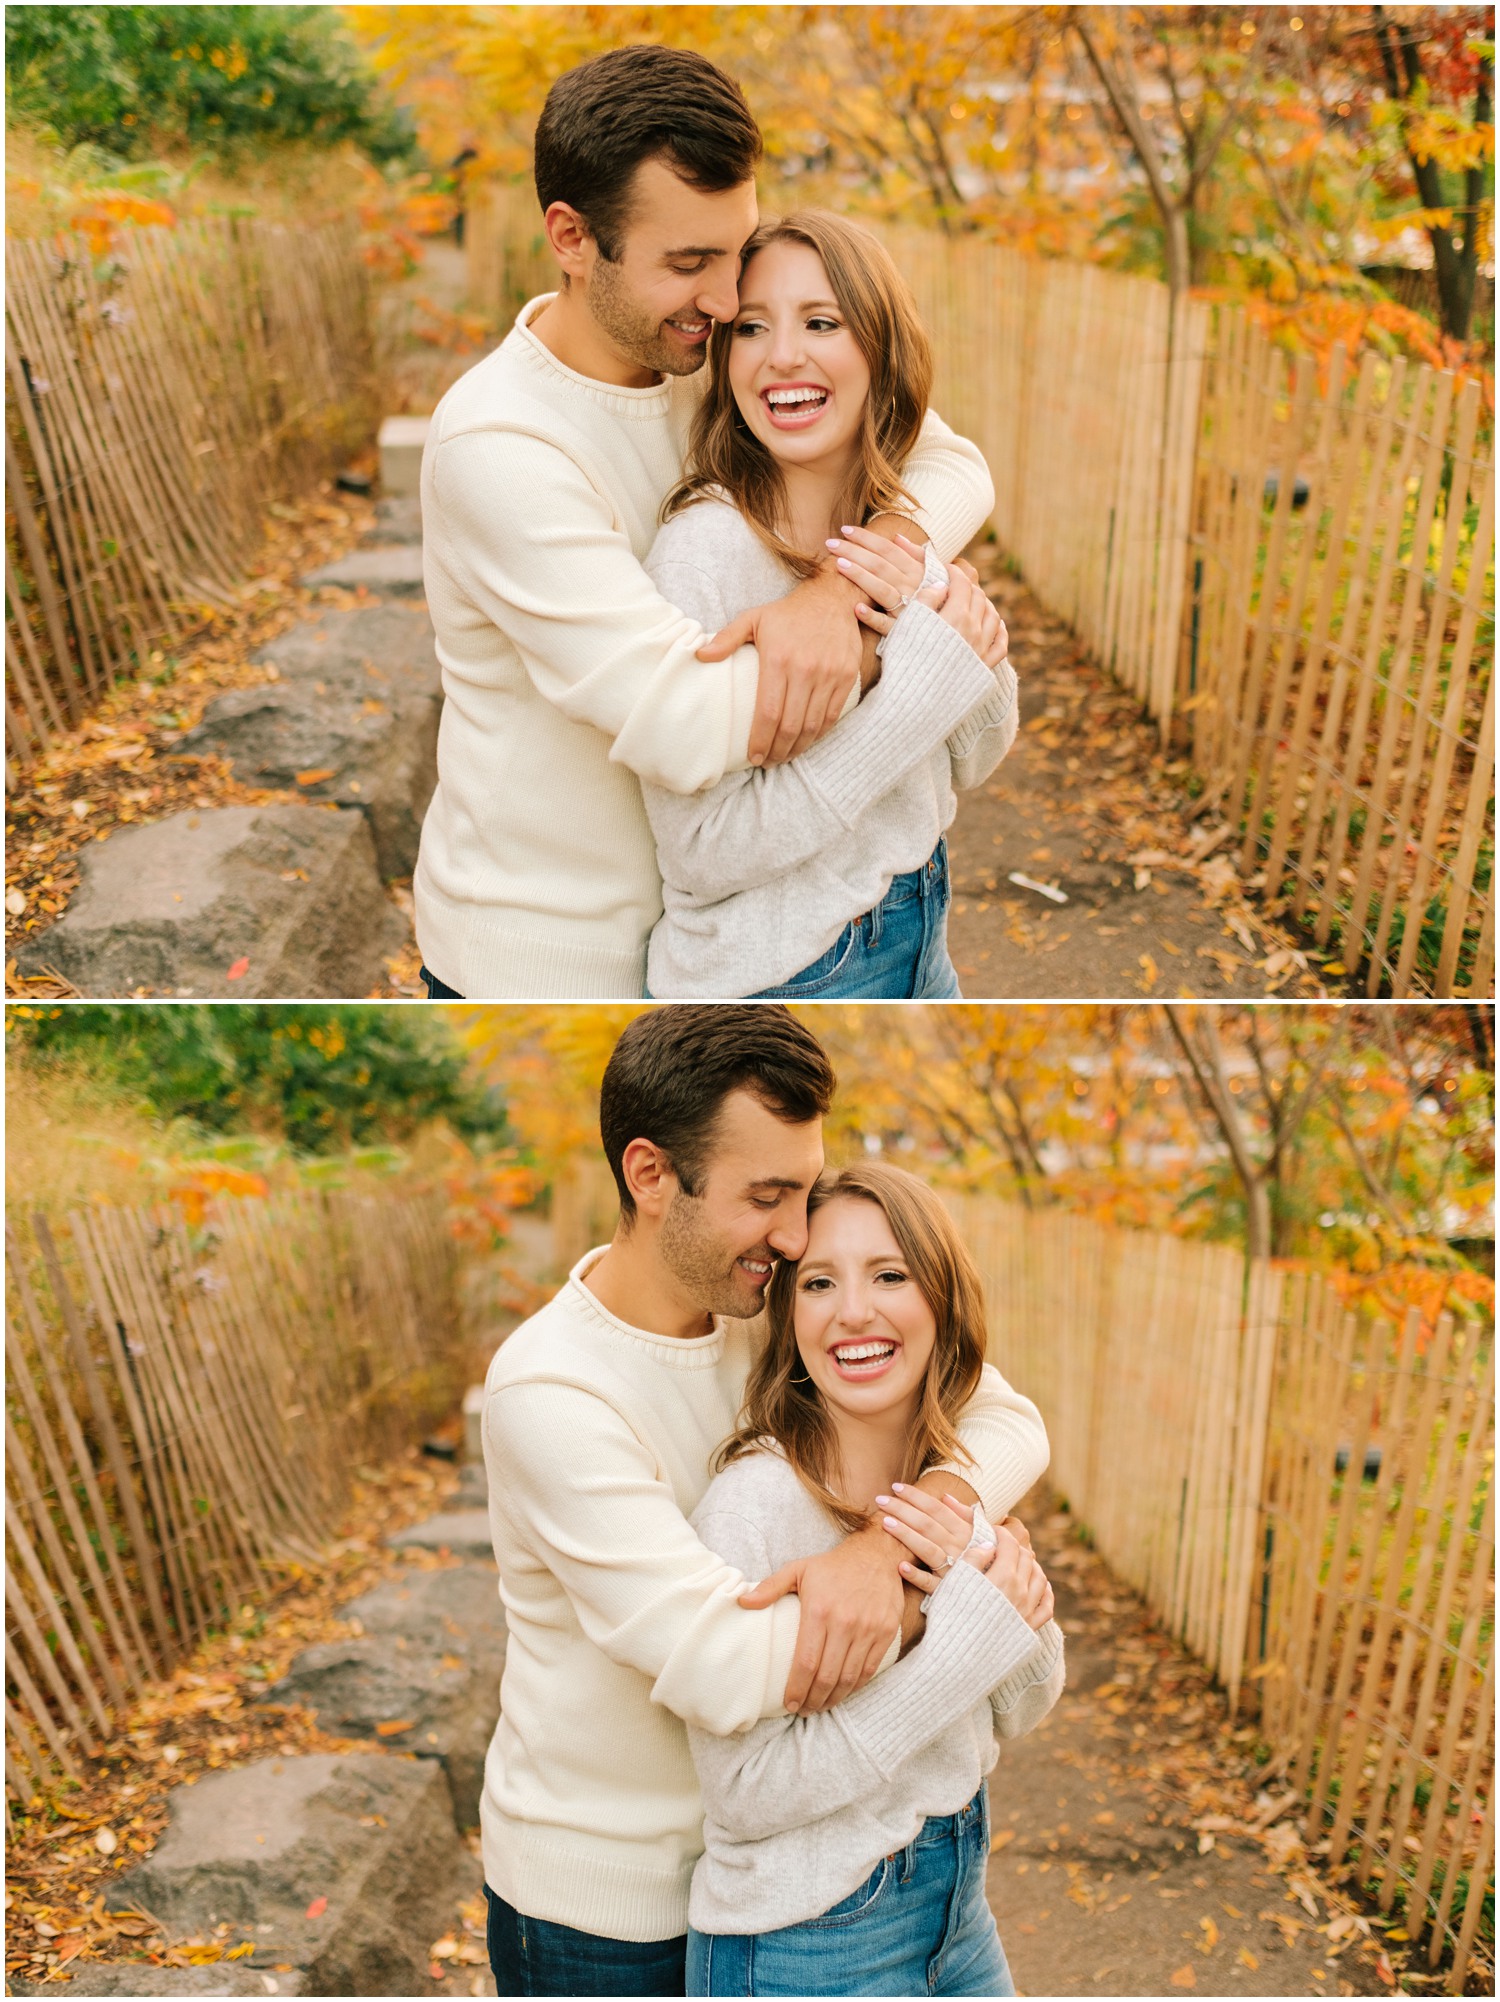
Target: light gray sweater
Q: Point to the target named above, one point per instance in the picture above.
(799, 1810)
(761, 872)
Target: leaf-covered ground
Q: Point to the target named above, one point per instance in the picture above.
(1138, 1848)
(65, 1850)
(1087, 804)
(121, 767)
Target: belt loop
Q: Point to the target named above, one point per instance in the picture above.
(874, 916)
(908, 1860)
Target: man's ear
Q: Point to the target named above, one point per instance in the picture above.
(650, 1177)
(570, 238)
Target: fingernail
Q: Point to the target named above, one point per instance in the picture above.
(846, 530)
(882, 1501)
(891, 1522)
(898, 1487)
(844, 563)
(833, 543)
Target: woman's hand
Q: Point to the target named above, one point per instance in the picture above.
(971, 614)
(936, 1530)
(888, 570)
(1017, 1574)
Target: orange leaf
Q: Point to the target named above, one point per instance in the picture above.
(317, 1908)
(315, 777)
(69, 1948)
(395, 1726)
(238, 971)
(1185, 1978)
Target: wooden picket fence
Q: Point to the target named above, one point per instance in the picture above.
(187, 1405)
(157, 402)
(1295, 569)
(1305, 1498)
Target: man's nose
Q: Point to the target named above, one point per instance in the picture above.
(720, 296)
(788, 1237)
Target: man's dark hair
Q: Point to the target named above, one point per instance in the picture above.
(673, 1068)
(602, 119)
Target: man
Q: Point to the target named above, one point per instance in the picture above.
(602, 1414)
(567, 675)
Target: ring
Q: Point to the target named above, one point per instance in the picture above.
(949, 1562)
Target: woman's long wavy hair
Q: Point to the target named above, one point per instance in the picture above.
(877, 305)
(781, 1403)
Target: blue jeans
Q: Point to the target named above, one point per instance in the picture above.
(540, 1957)
(896, 952)
(918, 1925)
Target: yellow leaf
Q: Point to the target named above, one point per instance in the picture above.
(1210, 1934)
(1185, 1977)
(1247, 1959)
(999, 1841)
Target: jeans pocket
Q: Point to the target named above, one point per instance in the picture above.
(820, 973)
(858, 1903)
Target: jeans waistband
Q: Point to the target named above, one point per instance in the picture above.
(915, 883)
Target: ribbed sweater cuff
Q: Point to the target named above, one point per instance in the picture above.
(976, 1638)
(1049, 1646)
(988, 715)
(932, 679)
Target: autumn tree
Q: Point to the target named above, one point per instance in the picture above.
(1440, 77)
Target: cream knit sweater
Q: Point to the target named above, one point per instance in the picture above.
(568, 676)
(623, 1624)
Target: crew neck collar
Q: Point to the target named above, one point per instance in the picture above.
(684, 1351)
(653, 393)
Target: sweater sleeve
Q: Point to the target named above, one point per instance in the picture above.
(1020, 1702)
(1007, 1442)
(950, 482)
(537, 549)
(790, 1770)
(756, 824)
(986, 733)
(584, 1496)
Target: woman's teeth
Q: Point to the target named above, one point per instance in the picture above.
(865, 1355)
(791, 399)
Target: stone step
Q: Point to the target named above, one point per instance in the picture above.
(264, 1846)
(400, 443)
(398, 519)
(174, 907)
(377, 752)
(393, 569)
(380, 649)
(465, 1532)
(138, 1977)
(430, 1657)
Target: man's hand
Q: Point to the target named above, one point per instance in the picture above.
(851, 1607)
(810, 648)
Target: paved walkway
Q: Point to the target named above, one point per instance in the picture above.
(1087, 804)
(1100, 1880)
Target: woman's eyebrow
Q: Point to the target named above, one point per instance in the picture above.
(805, 306)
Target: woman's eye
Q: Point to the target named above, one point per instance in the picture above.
(892, 1277)
(820, 323)
(744, 327)
(816, 1285)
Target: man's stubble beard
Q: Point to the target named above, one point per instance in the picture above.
(638, 337)
(703, 1265)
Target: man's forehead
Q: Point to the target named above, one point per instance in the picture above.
(758, 1148)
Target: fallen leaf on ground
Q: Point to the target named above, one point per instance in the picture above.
(317, 1908)
(1185, 1978)
(394, 1726)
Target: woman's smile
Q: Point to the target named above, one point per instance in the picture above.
(863, 1326)
(795, 406)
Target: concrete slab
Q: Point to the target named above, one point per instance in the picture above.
(398, 519)
(138, 1977)
(394, 569)
(466, 1532)
(401, 441)
(346, 1867)
(288, 895)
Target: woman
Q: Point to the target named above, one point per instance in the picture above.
(825, 878)
(845, 1853)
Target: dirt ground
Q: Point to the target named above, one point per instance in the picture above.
(1103, 1878)
(1087, 804)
